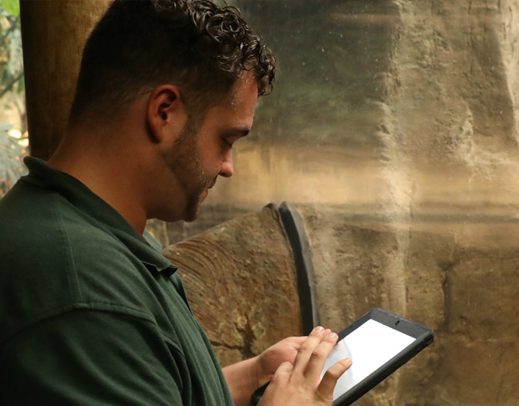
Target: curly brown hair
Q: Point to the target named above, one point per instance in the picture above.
(195, 44)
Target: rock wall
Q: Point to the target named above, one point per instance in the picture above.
(241, 282)
(393, 127)
(465, 291)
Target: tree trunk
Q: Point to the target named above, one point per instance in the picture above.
(53, 34)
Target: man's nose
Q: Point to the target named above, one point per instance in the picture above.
(227, 168)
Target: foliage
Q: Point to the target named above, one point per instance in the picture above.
(11, 7)
(11, 63)
(11, 153)
(11, 92)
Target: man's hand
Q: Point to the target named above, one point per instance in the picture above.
(246, 376)
(269, 360)
(299, 383)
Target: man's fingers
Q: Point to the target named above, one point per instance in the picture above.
(319, 355)
(301, 380)
(283, 373)
(307, 348)
(297, 341)
(331, 376)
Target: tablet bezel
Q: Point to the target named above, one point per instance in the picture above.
(423, 337)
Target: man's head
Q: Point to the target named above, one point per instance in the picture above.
(180, 79)
(194, 44)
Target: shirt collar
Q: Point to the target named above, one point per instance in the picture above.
(144, 247)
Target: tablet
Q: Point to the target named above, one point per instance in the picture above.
(377, 343)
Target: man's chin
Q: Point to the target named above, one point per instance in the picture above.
(193, 212)
(193, 209)
(191, 217)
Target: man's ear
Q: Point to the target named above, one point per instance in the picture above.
(165, 115)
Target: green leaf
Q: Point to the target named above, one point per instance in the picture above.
(12, 7)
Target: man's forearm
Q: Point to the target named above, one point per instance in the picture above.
(243, 379)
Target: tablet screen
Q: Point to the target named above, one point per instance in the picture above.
(369, 347)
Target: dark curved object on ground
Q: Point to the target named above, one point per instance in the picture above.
(294, 229)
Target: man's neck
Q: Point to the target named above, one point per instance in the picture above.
(106, 171)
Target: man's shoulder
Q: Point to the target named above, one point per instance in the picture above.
(42, 229)
(55, 257)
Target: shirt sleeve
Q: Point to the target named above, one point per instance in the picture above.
(88, 357)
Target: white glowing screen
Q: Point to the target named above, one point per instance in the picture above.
(369, 347)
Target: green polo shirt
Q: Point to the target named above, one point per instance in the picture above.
(90, 312)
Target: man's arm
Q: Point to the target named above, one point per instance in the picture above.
(242, 379)
(89, 357)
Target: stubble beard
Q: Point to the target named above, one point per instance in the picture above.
(186, 164)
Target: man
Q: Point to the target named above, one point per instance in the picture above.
(90, 311)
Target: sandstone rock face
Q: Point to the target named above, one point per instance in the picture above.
(465, 292)
(393, 127)
(240, 280)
